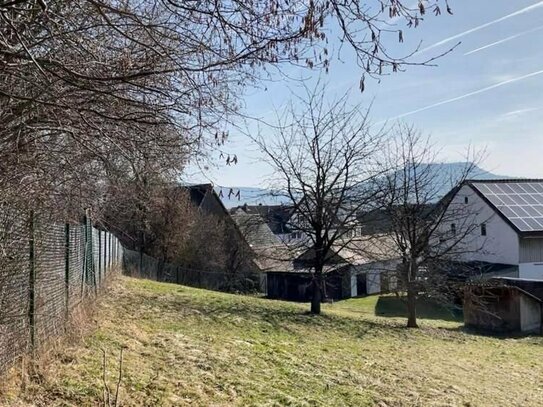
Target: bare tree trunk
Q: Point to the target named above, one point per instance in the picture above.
(316, 298)
(411, 305)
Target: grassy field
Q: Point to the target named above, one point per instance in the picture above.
(190, 347)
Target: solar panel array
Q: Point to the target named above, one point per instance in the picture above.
(520, 202)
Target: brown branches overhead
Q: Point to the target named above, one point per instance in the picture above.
(96, 88)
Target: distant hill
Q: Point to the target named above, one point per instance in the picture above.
(445, 174)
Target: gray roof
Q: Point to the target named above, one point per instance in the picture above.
(254, 228)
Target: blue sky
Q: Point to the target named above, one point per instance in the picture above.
(488, 93)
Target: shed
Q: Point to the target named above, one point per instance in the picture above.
(295, 285)
(534, 287)
(502, 309)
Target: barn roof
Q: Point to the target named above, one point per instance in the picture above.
(276, 216)
(363, 250)
(518, 201)
(255, 229)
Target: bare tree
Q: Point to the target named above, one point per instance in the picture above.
(215, 246)
(101, 97)
(429, 232)
(323, 161)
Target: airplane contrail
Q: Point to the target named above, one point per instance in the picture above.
(521, 111)
(512, 37)
(467, 95)
(480, 27)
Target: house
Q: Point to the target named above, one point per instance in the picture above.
(504, 306)
(276, 217)
(288, 274)
(508, 215)
(235, 252)
(296, 285)
(363, 267)
(255, 228)
(204, 197)
(270, 252)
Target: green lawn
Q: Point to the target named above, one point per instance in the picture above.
(190, 347)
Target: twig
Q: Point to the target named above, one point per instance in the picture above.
(120, 378)
(106, 387)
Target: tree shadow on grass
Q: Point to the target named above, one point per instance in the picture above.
(273, 316)
(229, 310)
(394, 307)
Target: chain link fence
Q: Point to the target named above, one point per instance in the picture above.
(46, 270)
(140, 265)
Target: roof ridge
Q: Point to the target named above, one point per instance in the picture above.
(504, 180)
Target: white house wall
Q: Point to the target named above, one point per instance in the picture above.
(373, 282)
(373, 273)
(532, 271)
(531, 258)
(354, 286)
(531, 250)
(500, 245)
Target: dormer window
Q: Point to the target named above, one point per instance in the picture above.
(483, 229)
(466, 200)
(453, 228)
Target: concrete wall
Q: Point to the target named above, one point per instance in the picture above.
(530, 314)
(500, 245)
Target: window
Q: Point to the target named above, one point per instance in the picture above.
(466, 199)
(483, 229)
(453, 228)
(296, 235)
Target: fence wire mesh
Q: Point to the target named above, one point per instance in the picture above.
(140, 265)
(46, 270)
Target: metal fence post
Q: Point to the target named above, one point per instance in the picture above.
(31, 285)
(100, 271)
(110, 251)
(94, 279)
(103, 255)
(85, 265)
(89, 275)
(141, 263)
(67, 270)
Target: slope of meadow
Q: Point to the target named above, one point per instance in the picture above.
(191, 347)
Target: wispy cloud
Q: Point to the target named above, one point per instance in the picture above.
(512, 37)
(522, 111)
(482, 26)
(467, 95)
